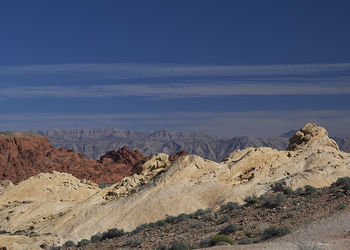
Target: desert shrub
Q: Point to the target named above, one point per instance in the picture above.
(43, 246)
(309, 190)
(179, 246)
(160, 223)
(290, 214)
(275, 232)
(113, 233)
(181, 217)
(170, 219)
(230, 206)
(245, 241)
(344, 182)
(139, 229)
(287, 191)
(199, 212)
(248, 234)
(3, 232)
(298, 191)
(206, 243)
(161, 247)
(69, 243)
(221, 238)
(31, 228)
(224, 219)
(55, 248)
(273, 201)
(96, 238)
(228, 229)
(341, 206)
(250, 200)
(83, 242)
(134, 242)
(195, 224)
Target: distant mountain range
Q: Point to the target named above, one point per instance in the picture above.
(96, 142)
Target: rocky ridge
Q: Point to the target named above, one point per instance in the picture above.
(24, 154)
(96, 142)
(168, 189)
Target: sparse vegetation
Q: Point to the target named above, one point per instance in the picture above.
(179, 246)
(271, 201)
(83, 242)
(221, 238)
(245, 241)
(308, 190)
(250, 200)
(96, 237)
(113, 233)
(230, 206)
(229, 229)
(288, 191)
(69, 243)
(133, 242)
(275, 232)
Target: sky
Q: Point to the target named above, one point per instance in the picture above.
(228, 68)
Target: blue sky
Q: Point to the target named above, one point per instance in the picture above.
(224, 67)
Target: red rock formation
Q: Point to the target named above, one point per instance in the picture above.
(23, 157)
(177, 155)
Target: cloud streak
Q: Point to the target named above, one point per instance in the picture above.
(134, 71)
(177, 90)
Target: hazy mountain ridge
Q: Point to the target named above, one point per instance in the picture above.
(96, 142)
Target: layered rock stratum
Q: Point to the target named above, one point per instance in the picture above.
(25, 154)
(160, 188)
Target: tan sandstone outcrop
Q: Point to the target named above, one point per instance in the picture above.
(188, 184)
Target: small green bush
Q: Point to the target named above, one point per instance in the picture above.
(344, 182)
(170, 219)
(309, 190)
(55, 248)
(134, 242)
(290, 214)
(273, 201)
(199, 212)
(83, 242)
(181, 217)
(298, 191)
(245, 241)
(275, 232)
(250, 200)
(139, 229)
(96, 238)
(31, 228)
(229, 229)
(69, 243)
(179, 246)
(230, 206)
(113, 233)
(206, 243)
(341, 206)
(287, 191)
(221, 238)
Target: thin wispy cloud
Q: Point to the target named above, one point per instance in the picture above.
(172, 90)
(132, 71)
